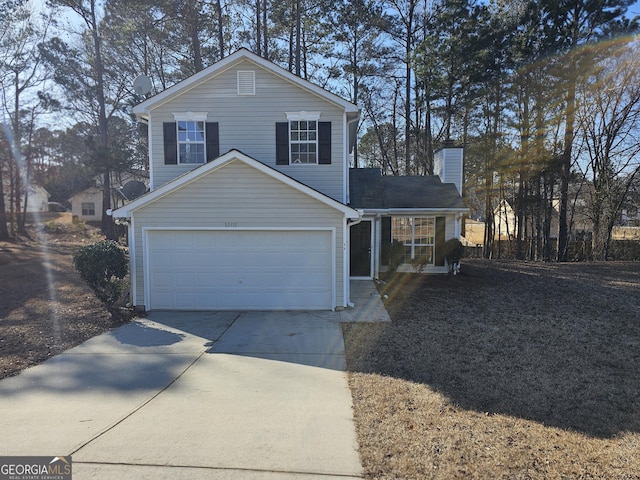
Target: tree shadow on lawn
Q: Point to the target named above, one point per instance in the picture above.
(555, 343)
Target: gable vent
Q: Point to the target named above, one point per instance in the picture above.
(246, 82)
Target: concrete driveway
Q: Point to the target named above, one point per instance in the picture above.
(251, 395)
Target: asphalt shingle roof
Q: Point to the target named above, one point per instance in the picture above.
(370, 189)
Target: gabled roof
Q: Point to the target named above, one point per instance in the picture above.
(232, 155)
(369, 189)
(143, 109)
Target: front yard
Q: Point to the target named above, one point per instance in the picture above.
(511, 370)
(45, 308)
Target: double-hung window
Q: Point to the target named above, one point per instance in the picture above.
(417, 235)
(88, 208)
(304, 141)
(191, 141)
(301, 139)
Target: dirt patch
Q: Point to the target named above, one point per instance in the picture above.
(511, 370)
(45, 307)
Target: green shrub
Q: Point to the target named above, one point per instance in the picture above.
(453, 253)
(103, 265)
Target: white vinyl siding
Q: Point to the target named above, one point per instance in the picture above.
(247, 123)
(448, 165)
(237, 196)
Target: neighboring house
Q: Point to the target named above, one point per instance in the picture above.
(504, 221)
(630, 216)
(249, 204)
(37, 200)
(86, 205)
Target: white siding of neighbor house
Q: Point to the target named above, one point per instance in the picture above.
(247, 123)
(90, 195)
(236, 196)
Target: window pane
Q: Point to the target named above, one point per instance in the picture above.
(417, 236)
(191, 153)
(191, 142)
(303, 141)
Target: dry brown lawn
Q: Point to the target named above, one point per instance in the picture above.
(45, 307)
(511, 370)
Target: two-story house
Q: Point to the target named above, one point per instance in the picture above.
(249, 204)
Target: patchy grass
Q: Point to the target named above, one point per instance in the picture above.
(45, 307)
(511, 370)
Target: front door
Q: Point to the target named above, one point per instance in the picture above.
(361, 249)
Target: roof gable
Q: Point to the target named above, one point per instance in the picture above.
(233, 155)
(143, 109)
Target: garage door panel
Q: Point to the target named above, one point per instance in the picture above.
(193, 270)
(184, 300)
(163, 280)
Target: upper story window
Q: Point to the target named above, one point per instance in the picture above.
(191, 141)
(304, 141)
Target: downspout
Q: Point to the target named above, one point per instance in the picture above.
(345, 170)
(347, 151)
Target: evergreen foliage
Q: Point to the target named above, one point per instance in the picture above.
(103, 265)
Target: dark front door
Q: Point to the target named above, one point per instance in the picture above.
(361, 249)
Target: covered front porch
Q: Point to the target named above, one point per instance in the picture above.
(408, 241)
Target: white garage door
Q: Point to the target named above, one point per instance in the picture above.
(239, 270)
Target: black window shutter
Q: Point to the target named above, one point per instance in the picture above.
(213, 141)
(282, 143)
(170, 143)
(324, 143)
(439, 240)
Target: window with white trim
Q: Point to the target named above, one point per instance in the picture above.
(417, 235)
(191, 141)
(303, 136)
(88, 208)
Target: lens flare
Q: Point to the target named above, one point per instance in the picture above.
(41, 240)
